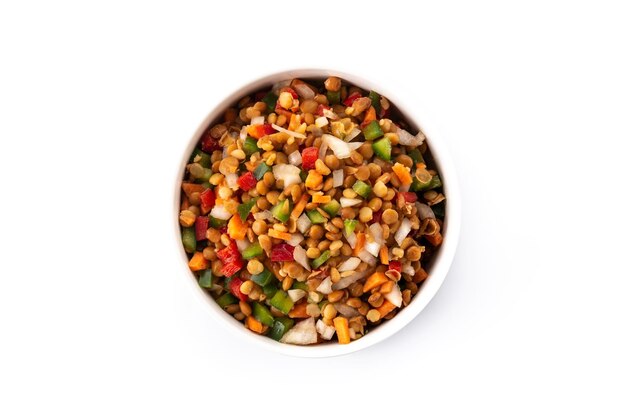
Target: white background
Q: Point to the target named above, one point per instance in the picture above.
(97, 102)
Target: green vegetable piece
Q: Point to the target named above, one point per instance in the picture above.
(282, 301)
(250, 146)
(281, 211)
(252, 251)
(206, 279)
(297, 285)
(416, 156)
(315, 217)
(189, 239)
(435, 182)
(261, 170)
(270, 289)
(262, 314)
(362, 189)
(349, 226)
(439, 209)
(375, 97)
(226, 299)
(303, 175)
(244, 209)
(264, 278)
(334, 97)
(217, 223)
(317, 262)
(373, 130)
(414, 185)
(332, 207)
(280, 327)
(270, 99)
(382, 149)
(200, 157)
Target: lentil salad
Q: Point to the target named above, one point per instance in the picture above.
(310, 213)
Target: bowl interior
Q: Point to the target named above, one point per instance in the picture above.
(438, 266)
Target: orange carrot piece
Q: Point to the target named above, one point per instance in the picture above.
(190, 188)
(185, 204)
(385, 308)
(254, 324)
(360, 243)
(403, 173)
(278, 234)
(299, 208)
(370, 116)
(435, 239)
(197, 262)
(384, 255)
(298, 311)
(313, 180)
(343, 333)
(236, 228)
(320, 198)
(375, 280)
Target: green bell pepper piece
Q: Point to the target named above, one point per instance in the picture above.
(244, 209)
(416, 156)
(252, 251)
(334, 97)
(217, 223)
(373, 130)
(319, 261)
(206, 279)
(282, 301)
(375, 97)
(270, 99)
(349, 226)
(226, 299)
(264, 278)
(281, 211)
(315, 217)
(280, 327)
(262, 314)
(261, 170)
(270, 289)
(362, 189)
(382, 149)
(250, 146)
(189, 239)
(332, 207)
(297, 285)
(200, 157)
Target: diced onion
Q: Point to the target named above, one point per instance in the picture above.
(304, 90)
(296, 295)
(395, 296)
(353, 134)
(326, 286)
(242, 244)
(259, 120)
(349, 202)
(288, 173)
(403, 231)
(295, 158)
(350, 264)
(326, 332)
(350, 239)
(339, 147)
(263, 215)
(303, 223)
(354, 145)
(299, 255)
(338, 178)
(349, 280)
(408, 269)
(243, 133)
(405, 138)
(376, 231)
(321, 122)
(373, 248)
(346, 310)
(303, 333)
(322, 151)
(295, 240)
(424, 211)
(367, 257)
(289, 132)
(220, 212)
(330, 114)
(231, 181)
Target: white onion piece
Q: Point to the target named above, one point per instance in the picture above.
(408, 269)
(355, 145)
(243, 133)
(289, 132)
(322, 152)
(231, 181)
(373, 248)
(263, 215)
(338, 178)
(367, 257)
(242, 244)
(325, 286)
(326, 332)
(295, 240)
(346, 310)
(376, 231)
(303, 223)
(303, 333)
(295, 158)
(321, 122)
(421, 137)
(350, 264)
(299, 255)
(339, 147)
(353, 134)
(288, 173)
(424, 211)
(403, 231)
(303, 90)
(330, 114)
(395, 296)
(220, 212)
(349, 280)
(296, 295)
(407, 139)
(350, 239)
(349, 202)
(259, 120)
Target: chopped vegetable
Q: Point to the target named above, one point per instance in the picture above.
(315, 217)
(349, 101)
(373, 130)
(303, 333)
(250, 146)
(270, 100)
(281, 211)
(254, 325)
(207, 200)
(226, 299)
(262, 314)
(264, 278)
(281, 301)
(382, 149)
(362, 189)
(341, 326)
(375, 98)
(261, 170)
(244, 209)
(319, 261)
(206, 279)
(247, 181)
(403, 173)
(339, 147)
(385, 308)
(198, 262)
(280, 327)
(326, 332)
(394, 296)
(320, 198)
(349, 226)
(231, 259)
(333, 97)
(289, 174)
(282, 252)
(375, 280)
(332, 208)
(237, 228)
(201, 226)
(258, 131)
(234, 286)
(252, 251)
(309, 156)
(189, 239)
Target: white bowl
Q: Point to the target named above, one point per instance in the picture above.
(438, 268)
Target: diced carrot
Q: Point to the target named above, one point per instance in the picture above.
(236, 228)
(298, 311)
(294, 122)
(320, 198)
(343, 333)
(360, 243)
(420, 275)
(375, 280)
(198, 262)
(313, 180)
(370, 115)
(384, 255)
(278, 234)
(435, 239)
(185, 204)
(403, 173)
(299, 208)
(385, 308)
(190, 188)
(254, 324)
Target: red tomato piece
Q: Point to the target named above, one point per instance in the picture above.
(231, 259)
(309, 156)
(282, 252)
(395, 265)
(235, 288)
(320, 109)
(409, 197)
(202, 224)
(350, 99)
(247, 181)
(258, 131)
(207, 200)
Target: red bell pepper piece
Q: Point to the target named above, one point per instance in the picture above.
(202, 224)
(207, 200)
(210, 144)
(409, 197)
(320, 109)
(235, 288)
(309, 156)
(395, 265)
(247, 181)
(231, 259)
(258, 131)
(350, 99)
(282, 252)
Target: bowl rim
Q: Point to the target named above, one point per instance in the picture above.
(439, 267)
